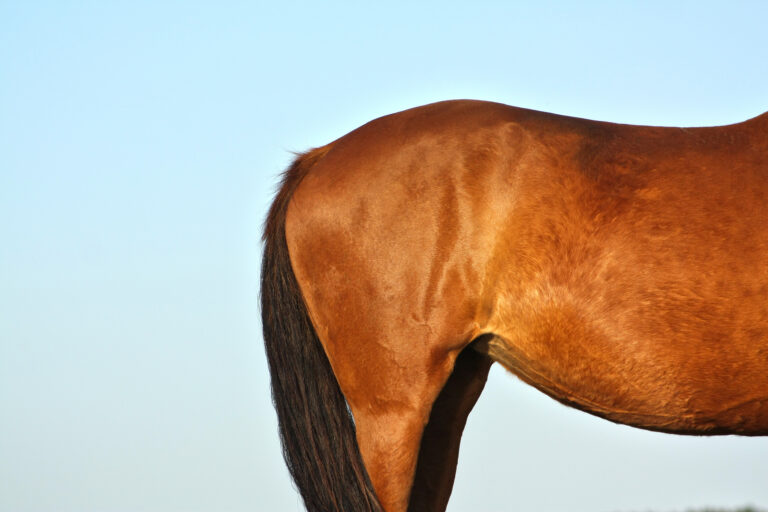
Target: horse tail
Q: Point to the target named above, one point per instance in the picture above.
(316, 427)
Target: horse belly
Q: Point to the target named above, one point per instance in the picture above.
(641, 343)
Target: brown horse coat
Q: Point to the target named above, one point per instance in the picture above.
(622, 270)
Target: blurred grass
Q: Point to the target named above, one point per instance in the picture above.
(740, 509)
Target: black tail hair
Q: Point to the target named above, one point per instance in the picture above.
(316, 428)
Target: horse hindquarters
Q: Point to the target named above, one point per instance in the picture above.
(391, 297)
(420, 231)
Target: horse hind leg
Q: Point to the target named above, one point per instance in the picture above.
(390, 365)
(391, 317)
(439, 453)
(403, 446)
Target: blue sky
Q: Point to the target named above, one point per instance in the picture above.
(140, 143)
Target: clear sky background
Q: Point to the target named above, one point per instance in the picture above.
(140, 144)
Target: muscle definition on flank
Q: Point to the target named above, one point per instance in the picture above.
(619, 269)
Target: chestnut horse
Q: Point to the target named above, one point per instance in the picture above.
(622, 270)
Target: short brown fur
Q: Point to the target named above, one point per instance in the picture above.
(620, 269)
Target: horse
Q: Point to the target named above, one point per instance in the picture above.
(620, 269)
